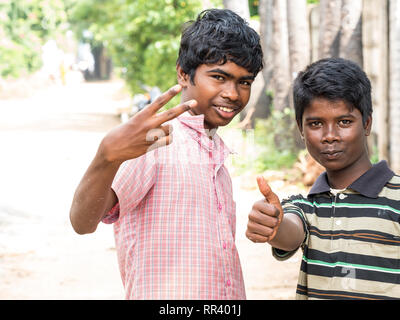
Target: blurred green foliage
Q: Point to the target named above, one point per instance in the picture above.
(275, 144)
(276, 137)
(24, 26)
(142, 36)
(253, 7)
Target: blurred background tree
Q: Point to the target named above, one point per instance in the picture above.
(142, 36)
(25, 25)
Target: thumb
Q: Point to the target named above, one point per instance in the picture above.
(272, 198)
(267, 192)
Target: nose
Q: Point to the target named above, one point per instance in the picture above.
(230, 91)
(330, 134)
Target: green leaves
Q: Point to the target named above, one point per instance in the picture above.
(24, 26)
(142, 35)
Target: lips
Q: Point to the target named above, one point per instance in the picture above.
(226, 111)
(331, 154)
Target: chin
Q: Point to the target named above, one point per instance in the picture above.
(215, 124)
(333, 166)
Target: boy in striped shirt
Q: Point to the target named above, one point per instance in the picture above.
(348, 225)
(172, 206)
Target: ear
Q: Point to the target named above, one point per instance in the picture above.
(368, 126)
(183, 78)
(299, 126)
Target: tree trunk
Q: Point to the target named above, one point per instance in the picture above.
(394, 63)
(375, 60)
(313, 13)
(299, 48)
(280, 52)
(351, 31)
(299, 36)
(206, 4)
(329, 32)
(266, 13)
(241, 7)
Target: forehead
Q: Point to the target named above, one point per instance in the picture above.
(228, 67)
(322, 107)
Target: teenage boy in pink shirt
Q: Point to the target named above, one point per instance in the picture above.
(171, 203)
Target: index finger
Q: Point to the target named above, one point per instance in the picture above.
(163, 99)
(175, 111)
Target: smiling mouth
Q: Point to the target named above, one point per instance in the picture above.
(226, 112)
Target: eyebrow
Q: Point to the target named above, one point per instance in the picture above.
(347, 115)
(217, 70)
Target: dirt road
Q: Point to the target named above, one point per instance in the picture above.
(47, 140)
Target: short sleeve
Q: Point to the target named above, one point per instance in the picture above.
(289, 207)
(112, 215)
(132, 182)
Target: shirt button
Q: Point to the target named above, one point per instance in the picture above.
(224, 245)
(228, 283)
(219, 207)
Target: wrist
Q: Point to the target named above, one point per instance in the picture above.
(105, 155)
(105, 160)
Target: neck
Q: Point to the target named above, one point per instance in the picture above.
(343, 178)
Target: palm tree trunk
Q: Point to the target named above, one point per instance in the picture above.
(241, 7)
(206, 4)
(265, 12)
(351, 31)
(375, 39)
(394, 67)
(299, 36)
(280, 52)
(329, 32)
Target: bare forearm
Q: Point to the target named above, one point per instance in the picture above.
(93, 197)
(290, 233)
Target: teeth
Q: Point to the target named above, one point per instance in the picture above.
(225, 109)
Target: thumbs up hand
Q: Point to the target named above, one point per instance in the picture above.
(265, 216)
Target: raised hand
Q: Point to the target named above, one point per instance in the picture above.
(145, 131)
(265, 216)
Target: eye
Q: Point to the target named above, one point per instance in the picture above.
(314, 124)
(246, 83)
(218, 77)
(345, 122)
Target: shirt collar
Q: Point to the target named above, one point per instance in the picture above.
(196, 122)
(369, 184)
(200, 134)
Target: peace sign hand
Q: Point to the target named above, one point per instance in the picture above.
(145, 131)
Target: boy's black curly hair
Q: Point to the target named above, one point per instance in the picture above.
(332, 79)
(218, 36)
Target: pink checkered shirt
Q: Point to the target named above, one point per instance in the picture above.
(176, 219)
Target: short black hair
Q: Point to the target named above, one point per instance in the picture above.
(218, 36)
(332, 79)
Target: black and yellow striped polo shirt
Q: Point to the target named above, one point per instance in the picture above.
(352, 244)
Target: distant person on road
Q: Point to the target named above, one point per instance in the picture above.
(348, 225)
(52, 59)
(171, 203)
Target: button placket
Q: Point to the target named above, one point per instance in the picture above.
(224, 233)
